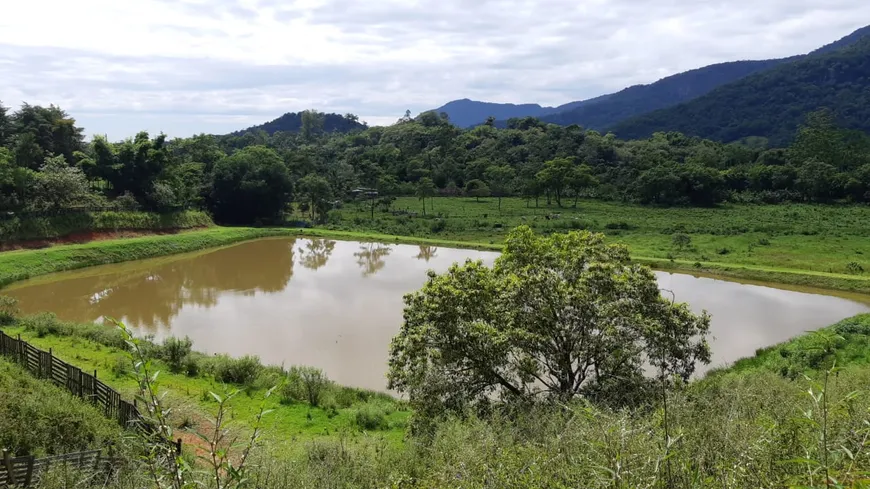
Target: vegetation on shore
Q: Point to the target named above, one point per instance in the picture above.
(805, 245)
(58, 226)
(307, 404)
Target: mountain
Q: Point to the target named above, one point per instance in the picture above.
(669, 91)
(772, 104)
(469, 113)
(292, 122)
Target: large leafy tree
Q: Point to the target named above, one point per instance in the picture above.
(555, 318)
(252, 184)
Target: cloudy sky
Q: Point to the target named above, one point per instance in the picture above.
(189, 66)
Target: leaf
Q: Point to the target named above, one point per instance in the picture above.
(216, 397)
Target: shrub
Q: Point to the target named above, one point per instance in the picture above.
(681, 241)
(854, 268)
(8, 309)
(304, 384)
(242, 371)
(438, 225)
(174, 351)
(371, 417)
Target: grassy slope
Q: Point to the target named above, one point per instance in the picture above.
(192, 402)
(38, 418)
(804, 245)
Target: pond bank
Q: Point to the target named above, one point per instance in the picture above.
(24, 264)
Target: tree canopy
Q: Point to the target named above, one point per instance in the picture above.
(556, 317)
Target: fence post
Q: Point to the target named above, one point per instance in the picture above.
(50, 365)
(8, 464)
(29, 474)
(178, 447)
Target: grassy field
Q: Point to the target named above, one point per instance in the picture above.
(806, 245)
(342, 412)
(52, 227)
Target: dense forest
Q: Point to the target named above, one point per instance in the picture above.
(772, 104)
(46, 166)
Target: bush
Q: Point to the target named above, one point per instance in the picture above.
(174, 351)
(438, 225)
(8, 309)
(242, 371)
(304, 384)
(681, 241)
(854, 268)
(371, 417)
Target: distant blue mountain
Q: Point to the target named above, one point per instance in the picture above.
(609, 110)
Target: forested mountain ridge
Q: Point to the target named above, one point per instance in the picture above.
(608, 110)
(469, 113)
(296, 122)
(772, 104)
(666, 92)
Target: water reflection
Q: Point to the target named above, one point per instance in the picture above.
(427, 253)
(150, 296)
(370, 257)
(342, 306)
(316, 253)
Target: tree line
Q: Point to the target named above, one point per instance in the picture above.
(46, 165)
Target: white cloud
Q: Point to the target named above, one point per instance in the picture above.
(186, 66)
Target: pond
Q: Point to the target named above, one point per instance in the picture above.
(337, 304)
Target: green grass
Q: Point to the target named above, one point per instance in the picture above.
(38, 418)
(59, 226)
(847, 343)
(803, 245)
(93, 347)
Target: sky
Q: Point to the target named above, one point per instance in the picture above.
(190, 66)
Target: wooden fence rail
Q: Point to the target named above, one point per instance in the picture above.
(23, 471)
(44, 365)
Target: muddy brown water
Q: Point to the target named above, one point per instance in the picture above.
(337, 304)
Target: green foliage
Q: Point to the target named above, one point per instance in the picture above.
(176, 352)
(40, 419)
(317, 193)
(681, 241)
(252, 184)
(47, 227)
(8, 309)
(307, 384)
(371, 417)
(240, 371)
(475, 334)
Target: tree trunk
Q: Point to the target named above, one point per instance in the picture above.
(499, 203)
(424, 206)
(575, 199)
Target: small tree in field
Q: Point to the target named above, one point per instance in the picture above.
(477, 189)
(555, 318)
(500, 179)
(681, 241)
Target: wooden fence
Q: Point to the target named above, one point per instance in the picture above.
(46, 366)
(23, 471)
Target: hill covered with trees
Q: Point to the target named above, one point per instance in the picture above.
(772, 104)
(309, 120)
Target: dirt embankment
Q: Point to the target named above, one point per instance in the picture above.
(84, 237)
